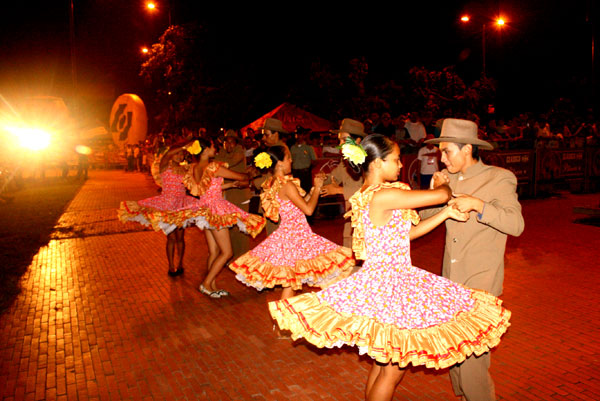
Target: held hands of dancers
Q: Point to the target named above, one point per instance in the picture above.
(453, 213)
(318, 181)
(466, 203)
(332, 189)
(438, 179)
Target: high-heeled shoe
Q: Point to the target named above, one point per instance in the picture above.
(223, 293)
(212, 294)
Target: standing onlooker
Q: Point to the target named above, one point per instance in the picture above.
(302, 158)
(416, 131)
(428, 157)
(474, 250)
(130, 158)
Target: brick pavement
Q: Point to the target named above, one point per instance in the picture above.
(98, 318)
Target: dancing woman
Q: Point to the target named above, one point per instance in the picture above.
(392, 311)
(293, 254)
(205, 180)
(171, 211)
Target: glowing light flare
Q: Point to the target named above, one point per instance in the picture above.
(145, 50)
(465, 18)
(500, 21)
(83, 150)
(31, 138)
(151, 6)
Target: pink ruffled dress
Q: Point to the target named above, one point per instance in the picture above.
(293, 254)
(217, 212)
(390, 309)
(171, 209)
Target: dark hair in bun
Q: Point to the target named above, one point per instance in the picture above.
(377, 146)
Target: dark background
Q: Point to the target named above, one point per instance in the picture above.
(543, 53)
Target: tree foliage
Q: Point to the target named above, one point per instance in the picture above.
(194, 87)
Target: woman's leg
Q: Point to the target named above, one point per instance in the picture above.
(287, 292)
(171, 239)
(224, 243)
(180, 245)
(213, 249)
(384, 385)
(373, 373)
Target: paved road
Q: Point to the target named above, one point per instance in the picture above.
(98, 318)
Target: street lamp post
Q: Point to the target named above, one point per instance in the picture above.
(499, 22)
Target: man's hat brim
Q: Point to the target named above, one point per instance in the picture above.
(472, 141)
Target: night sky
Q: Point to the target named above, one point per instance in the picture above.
(543, 52)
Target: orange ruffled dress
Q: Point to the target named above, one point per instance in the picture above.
(217, 212)
(171, 209)
(391, 310)
(293, 254)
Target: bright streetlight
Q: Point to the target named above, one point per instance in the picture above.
(145, 50)
(152, 7)
(499, 22)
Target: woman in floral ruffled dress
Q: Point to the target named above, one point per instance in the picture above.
(293, 254)
(205, 180)
(392, 311)
(171, 211)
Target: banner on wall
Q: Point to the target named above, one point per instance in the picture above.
(128, 120)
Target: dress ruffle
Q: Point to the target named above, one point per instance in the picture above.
(359, 202)
(439, 346)
(160, 220)
(251, 223)
(321, 271)
(269, 199)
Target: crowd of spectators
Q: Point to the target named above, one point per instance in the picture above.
(525, 131)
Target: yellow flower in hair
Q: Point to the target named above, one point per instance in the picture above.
(355, 153)
(263, 160)
(194, 148)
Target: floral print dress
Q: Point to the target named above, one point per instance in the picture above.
(293, 254)
(391, 310)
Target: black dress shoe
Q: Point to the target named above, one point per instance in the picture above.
(175, 273)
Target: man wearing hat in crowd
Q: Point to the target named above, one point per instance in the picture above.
(233, 154)
(303, 156)
(346, 181)
(474, 250)
(270, 131)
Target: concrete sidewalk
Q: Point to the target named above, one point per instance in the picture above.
(98, 317)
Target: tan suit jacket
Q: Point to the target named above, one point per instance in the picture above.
(474, 250)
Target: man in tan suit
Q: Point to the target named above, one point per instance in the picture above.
(474, 250)
(344, 181)
(271, 130)
(233, 154)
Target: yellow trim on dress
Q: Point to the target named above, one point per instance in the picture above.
(318, 270)
(438, 347)
(359, 202)
(199, 188)
(269, 199)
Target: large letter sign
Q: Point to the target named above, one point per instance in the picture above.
(128, 120)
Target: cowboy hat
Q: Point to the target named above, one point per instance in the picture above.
(231, 134)
(352, 127)
(460, 131)
(273, 124)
